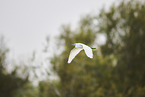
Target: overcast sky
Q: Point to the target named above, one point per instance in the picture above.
(26, 23)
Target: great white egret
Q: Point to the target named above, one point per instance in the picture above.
(78, 48)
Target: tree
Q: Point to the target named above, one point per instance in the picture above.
(124, 27)
(9, 82)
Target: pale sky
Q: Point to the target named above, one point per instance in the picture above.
(26, 23)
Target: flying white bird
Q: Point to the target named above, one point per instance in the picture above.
(78, 48)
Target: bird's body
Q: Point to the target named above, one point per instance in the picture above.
(78, 48)
(78, 45)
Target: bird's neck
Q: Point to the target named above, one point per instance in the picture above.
(78, 46)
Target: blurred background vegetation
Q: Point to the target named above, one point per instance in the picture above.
(118, 66)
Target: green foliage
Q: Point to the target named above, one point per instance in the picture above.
(28, 90)
(48, 89)
(124, 27)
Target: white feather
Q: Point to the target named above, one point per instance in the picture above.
(73, 53)
(88, 51)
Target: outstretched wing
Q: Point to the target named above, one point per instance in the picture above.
(73, 53)
(88, 51)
